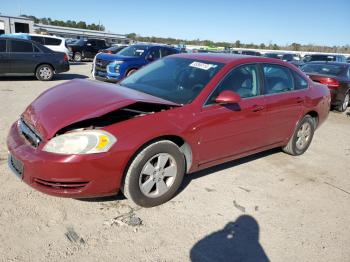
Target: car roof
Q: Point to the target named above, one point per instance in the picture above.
(230, 58)
(153, 45)
(49, 36)
(329, 63)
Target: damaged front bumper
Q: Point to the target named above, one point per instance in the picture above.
(76, 176)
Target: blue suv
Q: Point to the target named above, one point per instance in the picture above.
(113, 68)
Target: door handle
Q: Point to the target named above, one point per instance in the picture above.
(300, 100)
(258, 108)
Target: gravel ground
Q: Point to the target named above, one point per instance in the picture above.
(270, 206)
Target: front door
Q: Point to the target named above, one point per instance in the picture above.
(229, 130)
(23, 59)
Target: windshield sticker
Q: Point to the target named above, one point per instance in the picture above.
(140, 51)
(202, 66)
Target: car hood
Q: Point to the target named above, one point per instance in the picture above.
(79, 100)
(112, 57)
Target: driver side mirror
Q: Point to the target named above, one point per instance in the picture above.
(228, 97)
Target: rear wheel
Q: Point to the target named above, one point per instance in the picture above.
(302, 137)
(345, 103)
(77, 57)
(155, 174)
(44, 73)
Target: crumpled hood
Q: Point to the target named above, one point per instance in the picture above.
(79, 100)
(112, 57)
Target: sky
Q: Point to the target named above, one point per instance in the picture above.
(322, 22)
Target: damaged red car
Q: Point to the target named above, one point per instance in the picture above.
(175, 116)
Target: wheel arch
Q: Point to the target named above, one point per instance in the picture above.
(315, 117)
(185, 148)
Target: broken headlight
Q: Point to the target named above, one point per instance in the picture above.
(81, 142)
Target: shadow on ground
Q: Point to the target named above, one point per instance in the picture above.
(237, 241)
(58, 77)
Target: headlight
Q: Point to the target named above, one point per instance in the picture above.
(81, 142)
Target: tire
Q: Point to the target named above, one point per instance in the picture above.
(44, 72)
(344, 104)
(302, 137)
(130, 72)
(77, 57)
(157, 165)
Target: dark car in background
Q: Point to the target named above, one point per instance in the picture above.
(294, 59)
(336, 76)
(86, 48)
(113, 68)
(112, 49)
(273, 55)
(25, 57)
(323, 57)
(246, 52)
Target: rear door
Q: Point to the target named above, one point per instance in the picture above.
(4, 58)
(285, 96)
(23, 59)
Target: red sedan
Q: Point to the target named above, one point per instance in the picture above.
(177, 115)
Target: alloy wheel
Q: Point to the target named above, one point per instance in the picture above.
(303, 136)
(158, 175)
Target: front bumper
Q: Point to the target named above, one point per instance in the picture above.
(76, 176)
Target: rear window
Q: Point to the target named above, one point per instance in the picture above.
(38, 39)
(311, 58)
(52, 41)
(323, 69)
(2, 46)
(21, 47)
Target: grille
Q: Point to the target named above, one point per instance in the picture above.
(30, 134)
(101, 65)
(60, 185)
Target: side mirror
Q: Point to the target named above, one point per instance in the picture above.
(228, 97)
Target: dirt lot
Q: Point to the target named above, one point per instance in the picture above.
(271, 206)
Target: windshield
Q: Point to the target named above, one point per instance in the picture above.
(270, 55)
(323, 69)
(178, 80)
(134, 50)
(310, 58)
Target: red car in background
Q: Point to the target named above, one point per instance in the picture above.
(336, 76)
(177, 115)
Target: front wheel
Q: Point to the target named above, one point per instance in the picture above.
(77, 57)
(301, 139)
(155, 174)
(44, 73)
(345, 103)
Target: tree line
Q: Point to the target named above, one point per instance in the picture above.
(238, 44)
(68, 23)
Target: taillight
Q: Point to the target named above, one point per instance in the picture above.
(330, 82)
(65, 57)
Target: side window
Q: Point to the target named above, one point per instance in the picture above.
(167, 51)
(101, 43)
(92, 42)
(52, 41)
(21, 46)
(299, 81)
(38, 39)
(278, 79)
(154, 53)
(243, 80)
(2, 46)
(36, 49)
